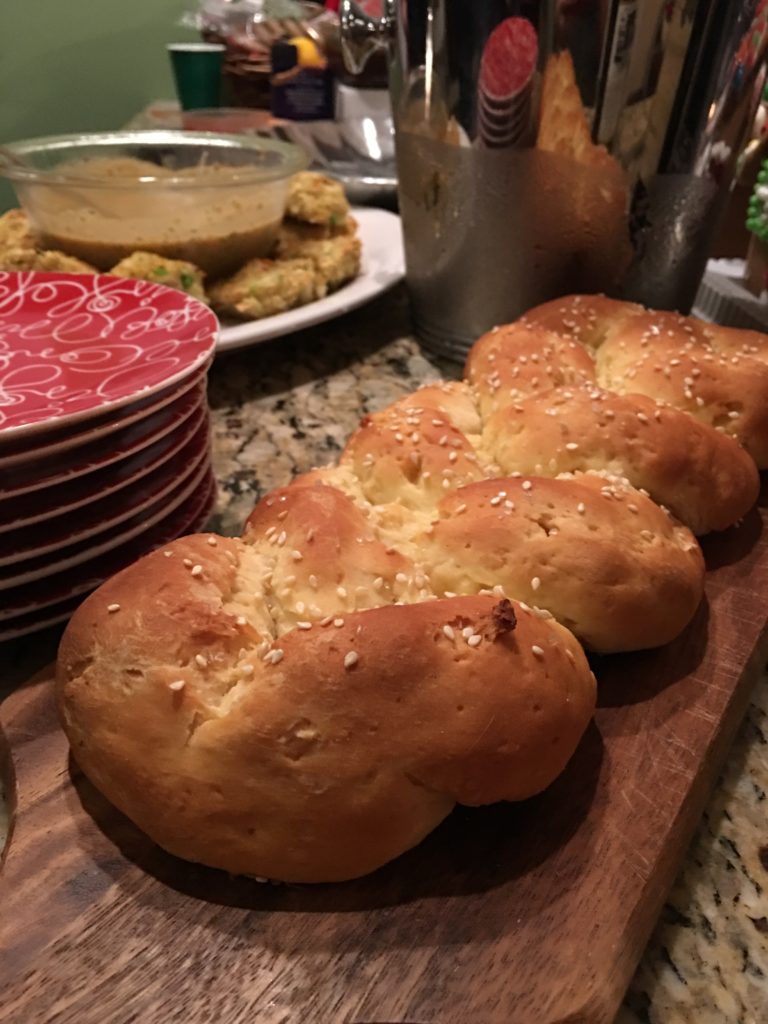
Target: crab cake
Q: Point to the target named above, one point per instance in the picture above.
(335, 254)
(293, 234)
(45, 259)
(265, 287)
(15, 231)
(316, 199)
(147, 266)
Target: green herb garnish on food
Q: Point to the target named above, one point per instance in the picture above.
(334, 220)
(757, 210)
(159, 272)
(187, 280)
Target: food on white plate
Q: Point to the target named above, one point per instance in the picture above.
(309, 261)
(16, 231)
(316, 199)
(47, 260)
(265, 287)
(317, 250)
(118, 167)
(199, 213)
(148, 266)
(209, 236)
(335, 252)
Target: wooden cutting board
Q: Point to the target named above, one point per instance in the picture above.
(528, 914)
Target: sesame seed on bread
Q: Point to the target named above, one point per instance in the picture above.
(706, 479)
(601, 557)
(719, 375)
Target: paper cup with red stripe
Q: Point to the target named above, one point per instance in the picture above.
(507, 70)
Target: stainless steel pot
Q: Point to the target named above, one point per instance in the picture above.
(559, 146)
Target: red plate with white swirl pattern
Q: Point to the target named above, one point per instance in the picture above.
(27, 509)
(59, 596)
(23, 450)
(43, 480)
(73, 346)
(15, 578)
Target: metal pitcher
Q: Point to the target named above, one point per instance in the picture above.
(550, 147)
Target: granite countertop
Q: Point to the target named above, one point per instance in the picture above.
(285, 406)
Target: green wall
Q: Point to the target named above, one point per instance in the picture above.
(71, 65)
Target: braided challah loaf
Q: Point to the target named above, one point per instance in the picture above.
(316, 751)
(395, 634)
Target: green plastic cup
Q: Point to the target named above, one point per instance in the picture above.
(197, 73)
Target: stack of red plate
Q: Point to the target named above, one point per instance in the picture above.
(104, 434)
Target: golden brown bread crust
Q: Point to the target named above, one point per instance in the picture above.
(703, 477)
(717, 374)
(415, 450)
(511, 362)
(322, 556)
(563, 125)
(597, 191)
(270, 706)
(584, 318)
(410, 454)
(621, 573)
(601, 557)
(638, 425)
(342, 749)
(452, 400)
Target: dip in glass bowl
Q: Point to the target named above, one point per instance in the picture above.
(213, 200)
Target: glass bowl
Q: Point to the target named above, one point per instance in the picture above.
(214, 200)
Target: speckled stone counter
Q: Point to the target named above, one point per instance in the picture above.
(281, 408)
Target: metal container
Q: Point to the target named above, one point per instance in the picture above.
(562, 146)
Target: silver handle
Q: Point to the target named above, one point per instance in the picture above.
(362, 35)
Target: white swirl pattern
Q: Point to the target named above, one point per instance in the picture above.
(76, 345)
